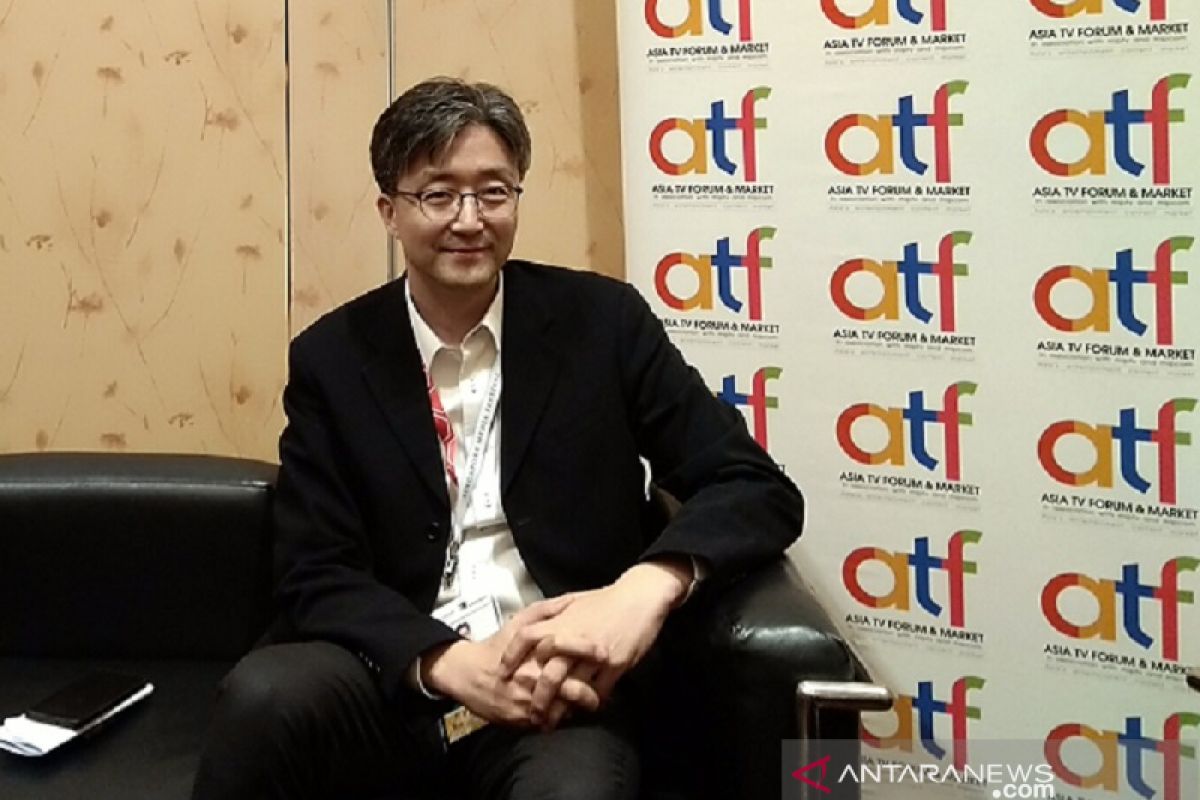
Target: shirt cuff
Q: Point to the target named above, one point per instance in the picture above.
(699, 573)
(415, 682)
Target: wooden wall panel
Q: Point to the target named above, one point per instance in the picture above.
(142, 240)
(159, 238)
(338, 88)
(558, 58)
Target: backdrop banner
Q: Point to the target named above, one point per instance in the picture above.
(942, 255)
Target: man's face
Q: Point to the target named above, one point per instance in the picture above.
(464, 253)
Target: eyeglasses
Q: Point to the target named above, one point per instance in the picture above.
(444, 205)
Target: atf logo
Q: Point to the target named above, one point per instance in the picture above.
(923, 708)
(757, 401)
(1160, 280)
(723, 263)
(1159, 117)
(896, 445)
(905, 125)
(1121, 440)
(879, 13)
(695, 14)
(922, 565)
(902, 279)
(1060, 9)
(1140, 755)
(695, 136)
(1122, 598)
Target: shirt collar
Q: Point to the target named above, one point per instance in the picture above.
(428, 343)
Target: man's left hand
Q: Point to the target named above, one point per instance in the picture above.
(622, 619)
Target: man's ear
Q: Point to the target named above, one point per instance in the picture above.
(387, 213)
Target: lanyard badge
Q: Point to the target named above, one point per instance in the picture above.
(474, 467)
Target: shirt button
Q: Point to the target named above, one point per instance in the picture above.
(431, 531)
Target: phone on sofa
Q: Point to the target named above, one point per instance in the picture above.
(85, 699)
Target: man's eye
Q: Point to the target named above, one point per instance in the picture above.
(495, 195)
(438, 198)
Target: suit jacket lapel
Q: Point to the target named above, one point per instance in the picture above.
(530, 366)
(396, 379)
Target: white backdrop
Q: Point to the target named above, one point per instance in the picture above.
(941, 255)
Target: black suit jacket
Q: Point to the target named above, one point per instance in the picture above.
(591, 383)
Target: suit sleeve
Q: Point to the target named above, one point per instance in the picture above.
(738, 508)
(323, 562)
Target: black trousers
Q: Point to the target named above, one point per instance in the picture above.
(307, 720)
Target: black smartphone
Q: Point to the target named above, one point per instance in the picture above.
(81, 701)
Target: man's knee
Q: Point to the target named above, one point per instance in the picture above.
(575, 787)
(275, 724)
(286, 689)
(582, 765)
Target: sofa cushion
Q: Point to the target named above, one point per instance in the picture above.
(141, 556)
(148, 751)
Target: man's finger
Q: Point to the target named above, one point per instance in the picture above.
(605, 680)
(575, 693)
(580, 694)
(523, 640)
(554, 672)
(578, 690)
(574, 646)
(526, 675)
(542, 609)
(544, 651)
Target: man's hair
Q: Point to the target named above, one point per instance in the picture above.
(421, 123)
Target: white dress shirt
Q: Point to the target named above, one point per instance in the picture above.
(489, 563)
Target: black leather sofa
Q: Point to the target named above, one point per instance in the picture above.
(159, 565)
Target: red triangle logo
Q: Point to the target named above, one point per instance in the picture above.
(823, 765)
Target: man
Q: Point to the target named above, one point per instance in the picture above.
(469, 438)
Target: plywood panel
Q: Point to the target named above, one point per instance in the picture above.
(558, 58)
(142, 268)
(339, 85)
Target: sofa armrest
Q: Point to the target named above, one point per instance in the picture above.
(749, 645)
(770, 624)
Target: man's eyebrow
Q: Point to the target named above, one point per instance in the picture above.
(431, 173)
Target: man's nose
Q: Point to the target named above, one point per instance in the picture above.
(468, 213)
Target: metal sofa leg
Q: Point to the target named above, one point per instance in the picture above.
(828, 714)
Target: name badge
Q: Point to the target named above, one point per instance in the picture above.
(473, 619)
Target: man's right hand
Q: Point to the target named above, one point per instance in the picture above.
(471, 673)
